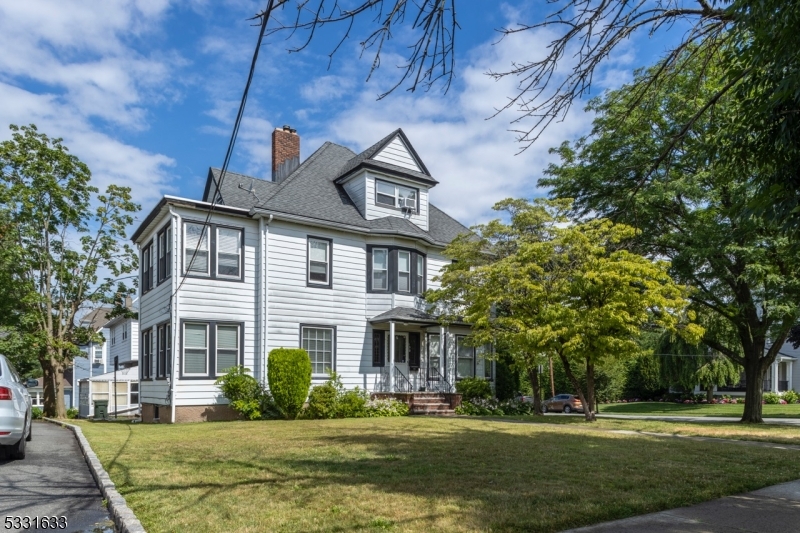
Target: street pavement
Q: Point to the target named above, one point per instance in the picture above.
(774, 509)
(52, 480)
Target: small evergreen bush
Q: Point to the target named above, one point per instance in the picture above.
(330, 400)
(771, 398)
(352, 404)
(289, 377)
(791, 396)
(474, 388)
(322, 401)
(72, 413)
(246, 395)
(37, 413)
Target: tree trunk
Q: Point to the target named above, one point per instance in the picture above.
(589, 406)
(552, 379)
(710, 393)
(576, 385)
(754, 370)
(533, 375)
(61, 409)
(48, 388)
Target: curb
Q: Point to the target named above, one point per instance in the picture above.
(121, 514)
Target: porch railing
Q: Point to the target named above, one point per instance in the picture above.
(437, 382)
(401, 382)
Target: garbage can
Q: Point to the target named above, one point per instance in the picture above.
(100, 409)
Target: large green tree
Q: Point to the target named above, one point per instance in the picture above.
(542, 286)
(693, 211)
(67, 241)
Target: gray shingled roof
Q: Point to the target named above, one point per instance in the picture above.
(367, 155)
(404, 314)
(236, 189)
(311, 192)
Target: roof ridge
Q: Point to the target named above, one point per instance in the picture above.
(282, 185)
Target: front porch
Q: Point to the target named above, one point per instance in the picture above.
(424, 403)
(415, 354)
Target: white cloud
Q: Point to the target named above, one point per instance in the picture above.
(73, 69)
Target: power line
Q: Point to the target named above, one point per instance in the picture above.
(264, 16)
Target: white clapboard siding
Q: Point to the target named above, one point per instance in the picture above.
(127, 349)
(374, 211)
(435, 262)
(292, 303)
(397, 153)
(356, 188)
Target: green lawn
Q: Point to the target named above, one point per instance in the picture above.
(414, 474)
(680, 409)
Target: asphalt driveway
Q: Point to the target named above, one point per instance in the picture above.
(53, 480)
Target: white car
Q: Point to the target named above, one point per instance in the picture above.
(15, 411)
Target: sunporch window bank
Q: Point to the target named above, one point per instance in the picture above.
(331, 255)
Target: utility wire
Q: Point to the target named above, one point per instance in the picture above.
(264, 16)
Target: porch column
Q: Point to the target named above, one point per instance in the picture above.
(774, 381)
(391, 356)
(789, 374)
(442, 363)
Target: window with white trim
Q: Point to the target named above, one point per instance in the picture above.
(195, 349)
(227, 348)
(229, 250)
(465, 367)
(195, 243)
(319, 261)
(380, 269)
(134, 390)
(98, 353)
(319, 343)
(394, 195)
(403, 271)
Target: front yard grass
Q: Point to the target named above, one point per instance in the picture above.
(698, 409)
(413, 474)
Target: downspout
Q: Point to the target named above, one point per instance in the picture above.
(176, 230)
(264, 294)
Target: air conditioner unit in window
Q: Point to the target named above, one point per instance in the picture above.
(408, 205)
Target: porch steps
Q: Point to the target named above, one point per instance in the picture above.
(431, 404)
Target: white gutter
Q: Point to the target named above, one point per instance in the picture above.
(264, 296)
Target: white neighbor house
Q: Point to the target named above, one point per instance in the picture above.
(330, 255)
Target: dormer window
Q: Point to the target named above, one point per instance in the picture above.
(392, 195)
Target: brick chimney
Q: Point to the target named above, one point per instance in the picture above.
(285, 152)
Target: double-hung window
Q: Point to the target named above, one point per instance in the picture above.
(420, 285)
(147, 268)
(113, 336)
(195, 349)
(124, 331)
(392, 195)
(147, 354)
(227, 348)
(229, 250)
(319, 262)
(164, 358)
(403, 271)
(134, 393)
(466, 358)
(319, 341)
(195, 242)
(380, 269)
(98, 353)
(164, 253)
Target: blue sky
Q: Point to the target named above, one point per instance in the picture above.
(145, 92)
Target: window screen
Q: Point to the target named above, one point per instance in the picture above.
(318, 261)
(196, 248)
(229, 249)
(227, 348)
(195, 353)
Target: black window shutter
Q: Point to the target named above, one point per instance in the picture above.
(413, 351)
(378, 348)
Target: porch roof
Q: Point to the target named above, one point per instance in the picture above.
(408, 314)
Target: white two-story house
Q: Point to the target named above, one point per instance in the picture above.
(331, 255)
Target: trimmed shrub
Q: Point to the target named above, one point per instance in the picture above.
(791, 396)
(37, 413)
(352, 404)
(771, 398)
(474, 388)
(72, 413)
(246, 395)
(322, 401)
(289, 377)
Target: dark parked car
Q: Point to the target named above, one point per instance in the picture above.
(565, 403)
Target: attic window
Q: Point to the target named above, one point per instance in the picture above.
(395, 195)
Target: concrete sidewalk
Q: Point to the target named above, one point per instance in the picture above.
(774, 509)
(670, 418)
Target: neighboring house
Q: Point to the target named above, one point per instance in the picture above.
(37, 392)
(122, 341)
(332, 255)
(783, 375)
(95, 354)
